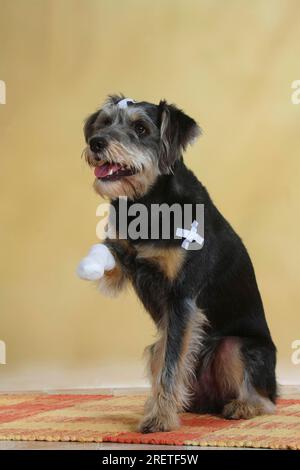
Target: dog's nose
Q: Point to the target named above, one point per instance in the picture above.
(97, 144)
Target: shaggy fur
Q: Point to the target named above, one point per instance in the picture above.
(214, 351)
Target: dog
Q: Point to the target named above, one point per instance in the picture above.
(214, 352)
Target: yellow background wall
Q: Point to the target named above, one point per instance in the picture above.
(229, 64)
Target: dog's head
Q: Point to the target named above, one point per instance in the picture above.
(131, 143)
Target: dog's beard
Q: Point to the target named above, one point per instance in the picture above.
(141, 164)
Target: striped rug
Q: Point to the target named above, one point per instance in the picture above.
(104, 418)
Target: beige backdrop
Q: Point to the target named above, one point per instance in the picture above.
(229, 64)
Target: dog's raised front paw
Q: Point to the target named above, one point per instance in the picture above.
(98, 260)
(90, 269)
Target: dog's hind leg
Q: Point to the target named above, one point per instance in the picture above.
(257, 391)
(172, 364)
(236, 378)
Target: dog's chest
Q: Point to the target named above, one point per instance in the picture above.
(168, 261)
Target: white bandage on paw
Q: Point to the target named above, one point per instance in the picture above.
(98, 260)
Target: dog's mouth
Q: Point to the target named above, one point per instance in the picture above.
(112, 171)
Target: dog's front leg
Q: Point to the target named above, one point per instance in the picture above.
(171, 365)
(100, 265)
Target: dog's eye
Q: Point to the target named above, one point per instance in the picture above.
(139, 128)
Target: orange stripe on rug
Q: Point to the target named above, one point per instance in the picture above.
(40, 404)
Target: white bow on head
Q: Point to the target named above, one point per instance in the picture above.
(124, 103)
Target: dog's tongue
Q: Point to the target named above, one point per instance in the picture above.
(106, 169)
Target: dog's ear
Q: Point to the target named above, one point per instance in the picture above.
(177, 130)
(88, 125)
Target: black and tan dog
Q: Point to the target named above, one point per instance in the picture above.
(214, 351)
